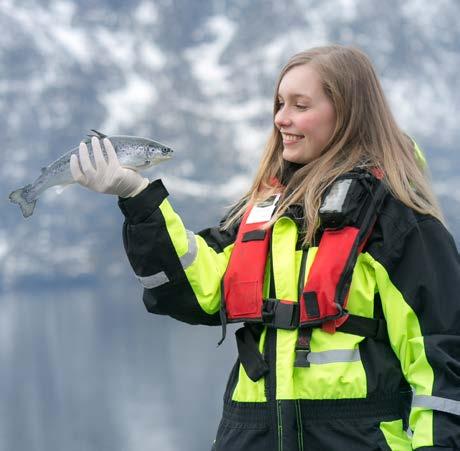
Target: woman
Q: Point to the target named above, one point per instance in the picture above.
(336, 260)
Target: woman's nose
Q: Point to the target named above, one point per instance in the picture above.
(282, 119)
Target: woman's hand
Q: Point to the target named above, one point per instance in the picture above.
(108, 176)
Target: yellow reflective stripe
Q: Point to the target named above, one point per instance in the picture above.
(396, 438)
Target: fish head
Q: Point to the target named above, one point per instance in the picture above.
(156, 152)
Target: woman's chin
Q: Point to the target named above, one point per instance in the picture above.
(293, 157)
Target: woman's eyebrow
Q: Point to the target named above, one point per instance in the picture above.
(297, 96)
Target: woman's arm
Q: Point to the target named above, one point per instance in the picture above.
(181, 271)
(419, 283)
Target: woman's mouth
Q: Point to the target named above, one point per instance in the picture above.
(291, 138)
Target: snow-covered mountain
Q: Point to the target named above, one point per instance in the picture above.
(198, 76)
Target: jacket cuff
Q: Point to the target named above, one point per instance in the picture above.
(138, 208)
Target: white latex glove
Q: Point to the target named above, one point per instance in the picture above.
(109, 176)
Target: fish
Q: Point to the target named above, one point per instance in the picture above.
(132, 151)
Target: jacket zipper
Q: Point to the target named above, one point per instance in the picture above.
(300, 287)
(270, 357)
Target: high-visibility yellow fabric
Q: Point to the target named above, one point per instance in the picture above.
(396, 438)
(207, 269)
(329, 380)
(407, 342)
(347, 379)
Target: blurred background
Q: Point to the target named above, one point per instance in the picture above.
(83, 365)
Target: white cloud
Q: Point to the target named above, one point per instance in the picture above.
(449, 187)
(125, 105)
(205, 58)
(233, 188)
(146, 13)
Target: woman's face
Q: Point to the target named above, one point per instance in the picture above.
(306, 116)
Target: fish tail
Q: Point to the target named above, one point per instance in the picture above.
(17, 197)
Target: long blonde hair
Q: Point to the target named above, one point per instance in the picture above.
(365, 135)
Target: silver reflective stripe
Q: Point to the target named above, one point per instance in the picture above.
(334, 356)
(154, 281)
(188, 258)
(336, 197)
(437, 403)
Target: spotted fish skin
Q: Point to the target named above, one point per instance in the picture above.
(132, 151)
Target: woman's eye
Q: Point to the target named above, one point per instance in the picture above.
(301, 107)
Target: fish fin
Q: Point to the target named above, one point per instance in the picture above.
(17, 197)
(99, 135)
(43, 169)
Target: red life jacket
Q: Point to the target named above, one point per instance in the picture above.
(348, 213)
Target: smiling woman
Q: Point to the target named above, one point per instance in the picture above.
(338, 264)
(306, 116)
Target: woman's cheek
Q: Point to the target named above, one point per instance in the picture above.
(306, 123)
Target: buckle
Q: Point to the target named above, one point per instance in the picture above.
(301, 358)
(268, 311)
(280, 315)
(302, 348)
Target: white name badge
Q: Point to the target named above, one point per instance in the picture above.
(263, 211)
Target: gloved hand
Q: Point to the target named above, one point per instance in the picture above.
(109, 176)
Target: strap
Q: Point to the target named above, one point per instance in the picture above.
(375, 328)
(365, 230)
(248, 352)
(325, 294)
(244, 277)
(302, 348)
(222, 314)
(319, 302)
(247, 340)
(358, 325)
(254, 235)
